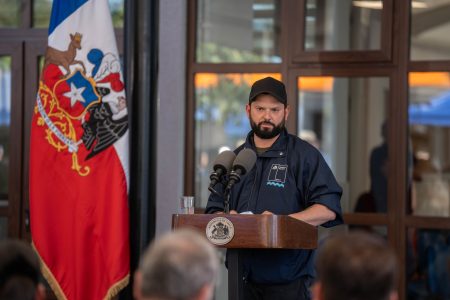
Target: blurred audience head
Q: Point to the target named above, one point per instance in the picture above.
(355, 266)
(20, 274)
(179, 265)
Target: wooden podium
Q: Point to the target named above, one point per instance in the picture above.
(252, 231)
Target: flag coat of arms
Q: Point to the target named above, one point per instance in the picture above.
(79, 156)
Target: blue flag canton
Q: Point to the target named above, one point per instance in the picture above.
(62, 9)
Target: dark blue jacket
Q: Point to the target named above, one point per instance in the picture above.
(289, 177)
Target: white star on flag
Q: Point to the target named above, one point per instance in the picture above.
(75, 94)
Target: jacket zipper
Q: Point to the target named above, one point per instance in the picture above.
(253, 188)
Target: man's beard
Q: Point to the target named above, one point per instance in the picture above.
(266, 133)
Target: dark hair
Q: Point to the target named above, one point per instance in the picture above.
(18, 288)
(356, 265)
(19, 270)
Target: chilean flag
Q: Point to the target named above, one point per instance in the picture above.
(79, 173)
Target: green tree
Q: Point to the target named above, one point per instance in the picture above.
(214, 53)
(9, 13)
(41, 13)
(5, 63)
(117, 10)
(226, 101)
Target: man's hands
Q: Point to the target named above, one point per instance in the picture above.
(232, 212)
(316, 215)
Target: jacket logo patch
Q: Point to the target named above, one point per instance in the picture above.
(277, 175)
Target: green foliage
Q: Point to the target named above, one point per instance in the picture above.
(42, 10)
(4, 161)
(214, 53)
(226, 101)
(5, 63)
(9, 13)
(117, 10)
(4, 138)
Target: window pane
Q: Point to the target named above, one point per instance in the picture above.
(220, 121)
(428, 264)
(117, 10)
(3, 228)
(380, 231)
(429, 123)
(429, 24)
(238, 31)
(41, 61)
(5, 112)
(345, 118)
(10, 13)
(42, 11)
(343, 25)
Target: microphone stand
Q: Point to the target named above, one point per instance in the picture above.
(225, 197)
(234, 177)
(212, 190)
(227, 201)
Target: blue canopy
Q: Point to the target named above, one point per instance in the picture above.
(436, 112)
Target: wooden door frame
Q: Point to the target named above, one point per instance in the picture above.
(14, 49)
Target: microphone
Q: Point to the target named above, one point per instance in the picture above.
(221, 166)
(244, 162)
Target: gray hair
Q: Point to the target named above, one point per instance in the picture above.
(177, 265)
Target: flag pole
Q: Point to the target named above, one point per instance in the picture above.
(141, 65)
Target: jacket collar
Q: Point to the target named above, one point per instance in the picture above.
(277, 149)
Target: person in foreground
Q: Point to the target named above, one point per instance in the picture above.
(181, 265)
(290, 177)
(355, 266)
(20, 274)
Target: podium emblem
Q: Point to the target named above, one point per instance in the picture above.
(220, 231)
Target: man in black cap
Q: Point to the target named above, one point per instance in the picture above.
(290, 177)
(20, 273)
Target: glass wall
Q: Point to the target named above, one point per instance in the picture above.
(427, 264)
(3, 227)
(5, 121)
(42, 10)
(343, 63)
(429, 123)
(117, 12)
(41, 13)
(221, 122)
(345, 118)
(379, 231)
(238, 31)
(5, 118)
(430, 25)
(343, 25)
(10, 13)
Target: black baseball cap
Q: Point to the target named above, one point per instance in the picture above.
(269, 86)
